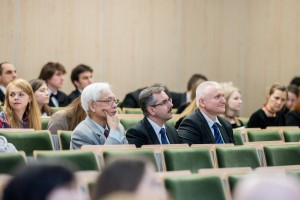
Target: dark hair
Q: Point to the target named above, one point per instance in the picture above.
(193, 79)
(295, 81)
(1, 66)
(293, 89)
(121, 175)
(78, 70)
(49, 70)
(146, 97)
(36, 182)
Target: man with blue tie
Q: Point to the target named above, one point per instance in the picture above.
(152, 129)
(204, 126)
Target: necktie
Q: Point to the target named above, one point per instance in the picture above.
(106, 133)
(163, 136)
(217, 134)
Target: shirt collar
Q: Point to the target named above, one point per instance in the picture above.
(155, 126)
(209, 121)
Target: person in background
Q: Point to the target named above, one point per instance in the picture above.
(102, 125)
(8, 73)
(157, 109)
(81, 76)
(43, 182)
(270, 114)
(130, 176)
(293, 94)
(204, 126)
(54, 75)
(40, 90)
(233, 99)
(20, 109)
(295, 81)
(67, 118)
(293, 116)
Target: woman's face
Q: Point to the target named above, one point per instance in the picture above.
(276, 100)
(234, 101)
(292, 98)
(18, 99)
(42, 95)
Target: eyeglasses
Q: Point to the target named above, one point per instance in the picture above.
(110, 102)
(164, 102)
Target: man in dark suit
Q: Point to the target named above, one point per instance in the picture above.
(53, 74)
(157, 108)
(81, 76)
(7, 74)
(204, 126)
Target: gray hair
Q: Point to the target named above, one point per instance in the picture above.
(93, 92)
(146, 97)
(202, 90)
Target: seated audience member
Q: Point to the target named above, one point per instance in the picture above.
(295, 81)
(293, 117)
(129, 176)
(131, 99)
(270, 114)
(43, 182)
(157, 108)
(54, 75)
(81, 76)
(40, 90)
(190, 95)
(8, 73)
(233, 104)
(267, 186)
(6, 147)
(293, 94)
(204, 126)
(67, 118)
(102, 125)
(188, 110)
(20, 109)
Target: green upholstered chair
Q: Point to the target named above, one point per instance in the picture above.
(237, 135)
(45, 121)
(132, 111)
(80, 159)
(11, 161)
(244, 120)
(238, 156)
(145, 154)
(187, 159)
(263, 135)
(128, 123)
(233, 180)
(171, 122)
(64, 138)
(28, 141)
(195, 187)
(282, 155)
(291, 135)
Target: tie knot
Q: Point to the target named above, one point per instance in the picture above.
(106, 133)
(162, 131)
(53, 95)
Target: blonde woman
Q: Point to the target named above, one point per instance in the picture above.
(20, 109)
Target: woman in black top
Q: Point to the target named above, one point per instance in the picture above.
(270, 114)
(293, 117)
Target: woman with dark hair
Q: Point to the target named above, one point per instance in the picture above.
(293, 117)
(43, 182)
(270, 114)
(293, 94)
(40, 90)
(131, 176)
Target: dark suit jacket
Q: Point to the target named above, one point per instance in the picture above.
(62, 99)
(178, 98)
(131, 99)
(2, 97)
(143, 133)
(73, 95)
(194, 129)
(292, 118)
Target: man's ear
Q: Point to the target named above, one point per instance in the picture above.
(92, 106)
(150, 110)
(201, 103)
(76, 83)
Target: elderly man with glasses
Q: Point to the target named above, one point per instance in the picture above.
(157, 109)
(102, 125)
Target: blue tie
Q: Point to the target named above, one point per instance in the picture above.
(163, 136)
(217, 134)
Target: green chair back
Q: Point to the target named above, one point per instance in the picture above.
(81, 160)
(45, 121)
(244, 120)
(64, 138)
(195, 187)
(187, 159)
(171, 122)
(9, 162)
(238, 156)
(128, 123)
(132, 111)
(263, 135)
(28, 141)
(291, 135)
(237, 135)
(233, 181)
(145, 154)
(282, 155)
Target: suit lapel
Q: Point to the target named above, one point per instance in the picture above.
(169, 134)
(96, 131)
(206, 126)
(150, 131)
